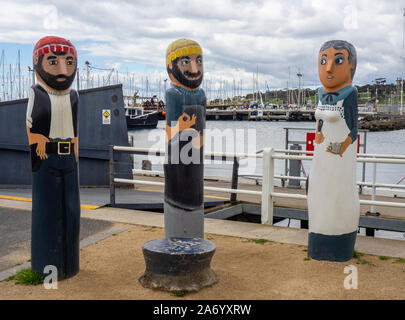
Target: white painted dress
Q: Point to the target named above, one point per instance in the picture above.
(333, 201)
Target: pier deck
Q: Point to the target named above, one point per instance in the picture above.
(266, 114)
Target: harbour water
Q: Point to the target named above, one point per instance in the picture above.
(250, 136)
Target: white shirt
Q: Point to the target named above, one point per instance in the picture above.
(61, 114)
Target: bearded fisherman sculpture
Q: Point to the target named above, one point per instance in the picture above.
(53, 138)
(185, 122)
(181, 261)
(333, 200)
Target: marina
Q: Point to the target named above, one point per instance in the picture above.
(220, 136)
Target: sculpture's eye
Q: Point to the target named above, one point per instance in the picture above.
(199, 60)
(323, 60)
(69, 62)
(185, 62)
(339, 59)
(53, 62)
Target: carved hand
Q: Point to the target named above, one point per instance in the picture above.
(319, 137)
(345, 144)
(185, 122)
(41, 144)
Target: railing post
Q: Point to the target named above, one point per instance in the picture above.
(372, 208)
(235, 174)
(372, 211)
(364, 164)
(267, 186)
(285, 161)
(111, 174)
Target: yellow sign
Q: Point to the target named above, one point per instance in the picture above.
(106, 116)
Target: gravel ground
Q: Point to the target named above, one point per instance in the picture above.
(110, 269)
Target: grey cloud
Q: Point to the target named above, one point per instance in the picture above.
(236, 34)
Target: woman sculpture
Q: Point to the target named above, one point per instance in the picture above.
(333, 201)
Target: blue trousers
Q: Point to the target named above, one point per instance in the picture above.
(55, 227)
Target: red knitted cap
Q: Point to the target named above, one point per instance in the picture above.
(53, 44)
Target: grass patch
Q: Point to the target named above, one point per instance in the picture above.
(259, 241)
(179, 293)
(384, 258)
(362, 261)
(399, 260)
(114, 234)
(210, 238)
(357, 255)
(27, 277)
(151, 229)
(307, 258)
(305, 250)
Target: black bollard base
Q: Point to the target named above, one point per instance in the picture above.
(174, 264)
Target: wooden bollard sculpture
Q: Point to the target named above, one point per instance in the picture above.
(333, 201)
(181, 261)
(52, 135)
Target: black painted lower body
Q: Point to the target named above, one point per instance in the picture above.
(337, 248)
(56, 216)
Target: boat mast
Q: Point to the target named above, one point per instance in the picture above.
(299, 74)
(11, 85)
(19, 76)
(288, 86)
(3, 85)
(402, 69)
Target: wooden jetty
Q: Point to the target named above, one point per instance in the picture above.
(266, 114)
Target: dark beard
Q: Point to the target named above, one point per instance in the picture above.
(192, 84)
(52, 82)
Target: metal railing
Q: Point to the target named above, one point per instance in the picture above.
(267, 193)
(362, 145)
(158, 152)
(268, 180)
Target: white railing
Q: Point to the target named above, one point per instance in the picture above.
(267, 193)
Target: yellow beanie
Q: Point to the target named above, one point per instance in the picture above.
(180, 48)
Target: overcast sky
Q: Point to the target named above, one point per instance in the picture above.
(237, 36)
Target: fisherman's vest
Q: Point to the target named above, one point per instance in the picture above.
(41, 111)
